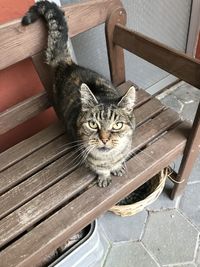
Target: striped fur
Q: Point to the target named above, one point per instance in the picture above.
(87, 103)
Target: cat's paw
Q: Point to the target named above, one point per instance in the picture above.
(104, 181)
(119, 172)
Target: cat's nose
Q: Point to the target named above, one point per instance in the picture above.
(104, 140)
(104, 136)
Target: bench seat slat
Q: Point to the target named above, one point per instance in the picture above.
(76, 215)
(32, 163)
(37, 183)
(23, 111)
(143, 135)
(30, 145)
(39, 207)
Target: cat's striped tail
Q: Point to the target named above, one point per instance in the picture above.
(57, 47)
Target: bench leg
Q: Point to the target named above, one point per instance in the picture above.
(189, 156)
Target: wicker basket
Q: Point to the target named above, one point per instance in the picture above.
(153, 189)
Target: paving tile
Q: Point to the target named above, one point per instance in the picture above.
(189, 96)
(198, 258)
(119, 228)
(190, 203)
(184, 100)
(172, 102)
(187, 93)
(129, 254)
(167, 236)
(182, 265)
(106, 245)
(164, 201)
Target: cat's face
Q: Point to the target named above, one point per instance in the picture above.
(106, 128)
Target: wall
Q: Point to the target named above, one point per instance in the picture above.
(166, 21)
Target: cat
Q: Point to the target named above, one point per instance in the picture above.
(93, 113)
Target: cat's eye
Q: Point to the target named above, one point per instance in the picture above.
(117, 126)
(92, 124)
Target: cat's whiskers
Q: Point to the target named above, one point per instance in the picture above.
(86, 152)
(82, 156)
(70, 145)
(74, 153)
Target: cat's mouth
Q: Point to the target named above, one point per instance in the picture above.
(104, 149)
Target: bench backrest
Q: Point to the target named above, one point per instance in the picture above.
(18, 43)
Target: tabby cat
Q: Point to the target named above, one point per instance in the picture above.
(88, 104)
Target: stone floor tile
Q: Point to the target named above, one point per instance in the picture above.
(106, 246)
(167, 236)
(129, 254)
(119, 228)
(198, 258)
(172, 102)
(183, 265)
(189, 96)
(190, 203)
(164, 201)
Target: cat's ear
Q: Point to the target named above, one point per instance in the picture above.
(88, 100)
(127, 102)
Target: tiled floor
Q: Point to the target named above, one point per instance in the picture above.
(167, 232)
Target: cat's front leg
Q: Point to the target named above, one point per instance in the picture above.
(104, 179)
(120, 171)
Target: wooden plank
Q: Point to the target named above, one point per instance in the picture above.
(148, 110)
(115, 53)
(53, 232)
(18, 42)
(153, 128)
(164, 57)
(37, 183)
(36, 209)
(28, 146)
(32, 163)
(46, 177)
(190, 155)
(44, 71)
(23, 111)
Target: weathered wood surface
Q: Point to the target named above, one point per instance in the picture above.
(74, 216)
(43, 180)
(18, 42)
(190, 155)
(30, 145)
(162, 56)
(55, 171)
(23, 111)
(115, 53)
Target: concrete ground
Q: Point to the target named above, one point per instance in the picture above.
(167, 232)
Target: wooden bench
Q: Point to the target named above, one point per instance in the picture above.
(44, 200)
